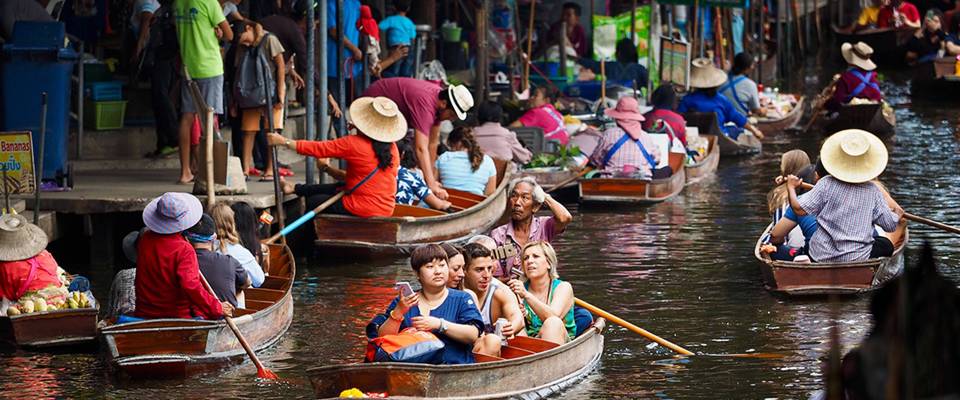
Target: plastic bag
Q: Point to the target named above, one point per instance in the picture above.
(433, 71)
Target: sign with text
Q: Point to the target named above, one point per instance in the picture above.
(16, 156)
(674, 61)
(710, 3)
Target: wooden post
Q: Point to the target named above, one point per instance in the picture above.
(483, 63)
(633, 21)
(208, 132)
(562, 48)
(526, 68)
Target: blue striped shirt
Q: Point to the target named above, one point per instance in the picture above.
(456, 173)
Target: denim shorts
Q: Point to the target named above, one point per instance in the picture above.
(212, 91)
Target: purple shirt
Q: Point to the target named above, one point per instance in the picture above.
(541, 229)
(499, 142)
(416, 99)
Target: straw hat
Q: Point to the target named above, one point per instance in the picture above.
(854, 155)
(19, 239)
(462, 100)
(858, 55)
(172, 212)
(705, 75)
(379, 119)
(627, 108)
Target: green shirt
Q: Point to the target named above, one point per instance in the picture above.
(199, 46)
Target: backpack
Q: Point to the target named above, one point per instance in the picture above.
(410, 345)
(162, 43)
(254, 79)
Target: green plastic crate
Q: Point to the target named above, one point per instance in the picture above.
(104, 115)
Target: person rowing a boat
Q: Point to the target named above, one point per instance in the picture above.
(548, 301)
(847, 203)
(25, 264)
(625, 150)
(857, 82)
(496, 300)
(706, 79)
(450, 314)
(372, 160)
(740, 89)
(526, 199)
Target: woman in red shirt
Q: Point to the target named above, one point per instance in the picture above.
(25, 265)
(898, 14)
(372, 160)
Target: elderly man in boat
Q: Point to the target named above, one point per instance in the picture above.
(526, 199)
(499, 307)
(168, 282)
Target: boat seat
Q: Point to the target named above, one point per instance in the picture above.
(403, 210)
(275, 282)
(465, 195)
(257, 305)
(482, 358)
(508, 352)
(239, 312)
(261, 294)
(531, 344)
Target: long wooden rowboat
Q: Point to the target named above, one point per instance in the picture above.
(707, 165)
(529, 369)
(889, 45)
(707, 124)
(181, 347)
(846, 278)
(869, 117)
(635, 191)
(411, 226)
(548, 178)
(936, 80)
(770, 126)
(58, 328)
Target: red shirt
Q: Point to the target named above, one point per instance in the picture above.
(376, 197)
(13, 275)
(416, 99)
(885, 17)
(168, 281)
(676, 122)
(848, 83)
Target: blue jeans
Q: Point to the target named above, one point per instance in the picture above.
(402, 68)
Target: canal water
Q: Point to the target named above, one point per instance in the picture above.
(683, 269)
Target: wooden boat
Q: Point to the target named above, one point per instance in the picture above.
(846, 278)
(548, 178)
(58, 328)
(770, 126)
(181, 347)
(635, 191)
(411, 226)
(889, 44)
(707, 165)
(936, 80)
(869, 117)
(530, 368)
(707, 124)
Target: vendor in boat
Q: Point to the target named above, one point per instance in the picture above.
(898, 14)
(859, 81)
(372, 160)
(847, 204)
(25, 264)
(542, 114)
(740, 89)
(495, 140)
(547, 300)
(625, 150)
(168, 283)
(223, 273)
(526, 199)
(927, 43)
(424, 105)
(706, 79)
(123, 293)
(496, 300)
(464, 167)
(450, 314)
(664, 100)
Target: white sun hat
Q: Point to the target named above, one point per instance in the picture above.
(854, 155)
(461, 99)
(859, 55)
(378, 118)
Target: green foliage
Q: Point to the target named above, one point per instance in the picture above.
(562, 158)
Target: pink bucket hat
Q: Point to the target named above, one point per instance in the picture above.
(627, 108)
(172, 212)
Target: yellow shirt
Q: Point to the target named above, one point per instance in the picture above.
(869, 16)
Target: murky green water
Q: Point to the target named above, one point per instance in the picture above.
(683, 269)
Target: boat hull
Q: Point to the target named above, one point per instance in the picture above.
(705, 167)
(884, 54)
(707, 124)
(771, 126)
(549, 180)
(635, 191)
(168, 348)
(49, 329)
(936, 80)
(795, 279)
(545, 373)
(869, 117)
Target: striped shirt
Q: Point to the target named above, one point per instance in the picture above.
(846, 213)
(456, 172)
(628, 161)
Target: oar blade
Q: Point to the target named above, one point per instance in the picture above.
(264, 373)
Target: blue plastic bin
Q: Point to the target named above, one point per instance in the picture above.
(35, 61)
(104, 91)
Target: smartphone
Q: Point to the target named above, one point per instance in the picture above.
(517, 272)
(405, 288)
(504, 252)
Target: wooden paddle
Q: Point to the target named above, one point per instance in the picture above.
(305, 217)
(911, 217)
(821, 101)
(583, 172)
(262, 372)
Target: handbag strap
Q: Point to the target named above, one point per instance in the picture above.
(364, 180)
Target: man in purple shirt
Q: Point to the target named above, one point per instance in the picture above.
(526, 198)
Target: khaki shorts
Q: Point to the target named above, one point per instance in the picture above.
(251, 119)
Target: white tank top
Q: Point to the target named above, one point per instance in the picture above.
(485, 312)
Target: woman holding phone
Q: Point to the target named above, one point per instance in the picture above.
(450, 314)
(548, 301)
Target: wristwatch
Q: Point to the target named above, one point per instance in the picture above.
(287, 142)
(443, 326)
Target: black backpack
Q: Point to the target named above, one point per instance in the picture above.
(254, 79)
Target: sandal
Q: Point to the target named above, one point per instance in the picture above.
(286, 172)
(266, 178)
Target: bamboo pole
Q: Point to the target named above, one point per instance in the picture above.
(208, 131)
(526, 68)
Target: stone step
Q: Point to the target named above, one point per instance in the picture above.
(287, 156)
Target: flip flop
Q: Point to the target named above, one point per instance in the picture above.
(286, 172)
(266, 178)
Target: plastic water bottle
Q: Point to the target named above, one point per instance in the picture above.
(498, 330)
(956, 67)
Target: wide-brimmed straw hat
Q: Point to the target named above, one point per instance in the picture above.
(705, 75)
(19, 239)
(854, 155)
(858, 55)
(627, 108)
(379, 119)
(172, 212)
(462, 100)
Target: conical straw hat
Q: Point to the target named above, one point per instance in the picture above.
(378, 118)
